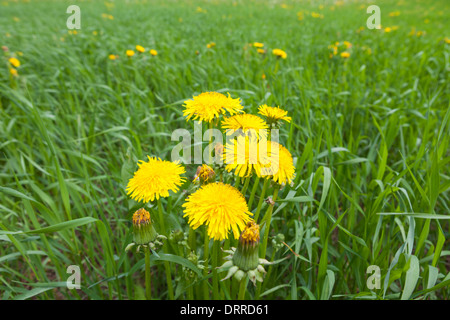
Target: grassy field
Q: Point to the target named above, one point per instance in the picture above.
(369, 136)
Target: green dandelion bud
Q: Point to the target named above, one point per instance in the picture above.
(243, 261)
(143, 230)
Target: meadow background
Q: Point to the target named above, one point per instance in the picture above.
(369, 136)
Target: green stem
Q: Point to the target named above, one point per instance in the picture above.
(192, 240)
(244, 188)
(237, 182)
(261, 199)
(205, 269)
(148, 284)
(252, 195)
(166, 263)
(268, 220)
(242, 289)
(215, 263)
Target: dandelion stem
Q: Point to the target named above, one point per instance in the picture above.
(252, 195)
(148, 286)
(205, 270)
(244, 188)
(215, 263)
(261, 199)
(242, 289)
(166, 263)
(268, 219)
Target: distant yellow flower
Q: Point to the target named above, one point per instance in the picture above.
(140, 49)
(210, 105)
(19, 53)
(154, 179)
(447, 40)
(220, 207)
(345, 54)
(200, 10)
(347, 44)
(316, 15)
(258, 44)
(15, 62)
(130, 53)
(16, 19)
(263, 76)
(153, 52)
(273, 114)
(13, 72)
(95, 33)
(248, 123)
(394, 14)
(387, 29)
(279, 53)
(112, 57)
(210, 45)
(261, 51)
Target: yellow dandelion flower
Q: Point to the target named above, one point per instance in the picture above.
(210, 45)
(13, 72)
(153, 52)
(345, 54)
(220, 207)
(140, 49)
(112, 57)
(281, 166)
(15, 62)
(387, 29)
(273, 114)
(210, 105)
(261, 51)
(263, 76)
(248, 123)
(258, 44)
(243, 155)
(154, 179)
(130, 53)
(447, 40)
(279, 53)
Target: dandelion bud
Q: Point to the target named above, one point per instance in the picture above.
(143, 230)
(204, 174)
(246, 255)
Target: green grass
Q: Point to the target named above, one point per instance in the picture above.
(369, 137)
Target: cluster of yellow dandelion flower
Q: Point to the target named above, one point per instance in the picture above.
(14, 65)
(317, 15)
(341, 49)
(130, 53)
(259, 47)
(394, 14)
(211, 45)
(107, 16)
(419, 33)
